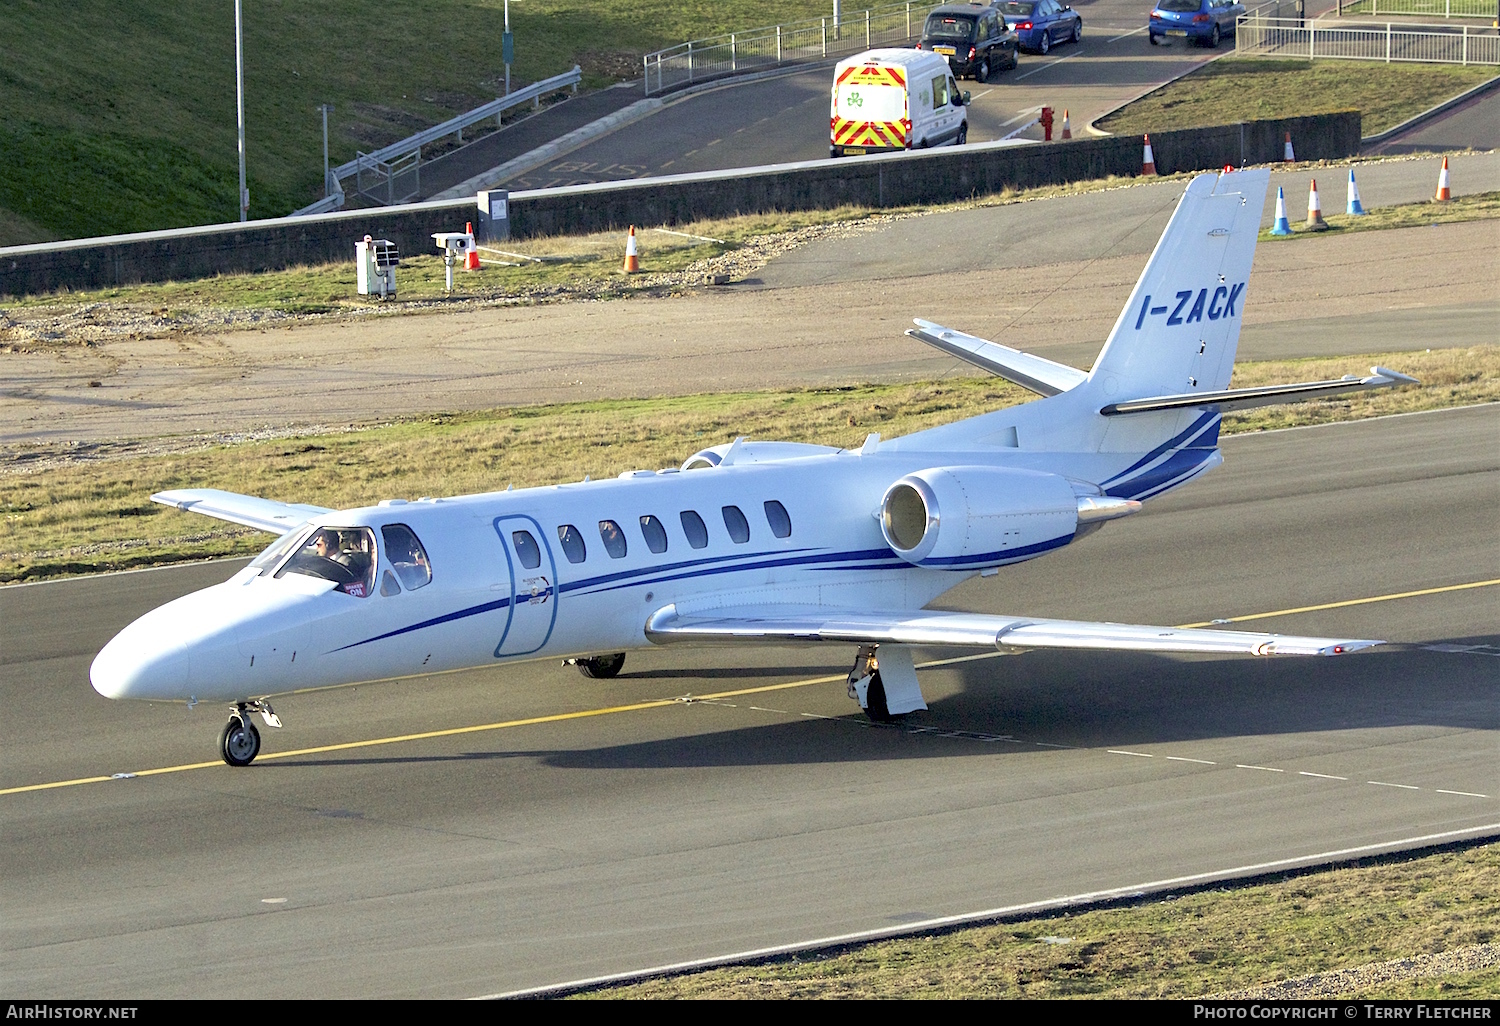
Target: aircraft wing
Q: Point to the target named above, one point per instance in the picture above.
(973, 630)
(249, 510)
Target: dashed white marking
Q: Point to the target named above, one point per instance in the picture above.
(122, 776)
(1320, 776)
(1405, 787)
(1024, 114)
(1183, 758)
(1466, 794)
(1263, 769)
(273, 901)
(1138, 755)
(1126, 35)
(978, 95)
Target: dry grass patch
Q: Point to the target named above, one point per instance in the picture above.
(64, 515)
(1179, 947)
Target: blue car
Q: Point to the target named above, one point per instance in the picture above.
(1040, 23)
(1207, 21)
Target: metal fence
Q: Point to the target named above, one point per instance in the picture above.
(1434, 44)
(1422, 8)
(393, 174)
(759, 49)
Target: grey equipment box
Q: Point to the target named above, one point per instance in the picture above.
(493, 224)
(376, 261)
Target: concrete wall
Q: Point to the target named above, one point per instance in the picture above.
(884, 180)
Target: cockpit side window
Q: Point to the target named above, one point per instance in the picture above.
(572, 543)
(278, 549)
(406, 556)
(343, 555)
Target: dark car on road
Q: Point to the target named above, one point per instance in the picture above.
(1207, 21)
(1040, 23)
(973, 37)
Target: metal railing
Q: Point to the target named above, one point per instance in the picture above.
(401, 162)
(815, 39)
(1433, 44)
(1421, 8)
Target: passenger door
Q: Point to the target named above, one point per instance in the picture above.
(533, 586)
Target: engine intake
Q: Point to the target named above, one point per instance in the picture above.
(964, 518)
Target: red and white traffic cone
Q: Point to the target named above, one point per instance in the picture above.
(471, 255)
(1288, 155)
(1444, 194)
(1067, 131)
(1315, 222)
(1148, 162)
(632, 259)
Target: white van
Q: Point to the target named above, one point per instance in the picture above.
(895, 100)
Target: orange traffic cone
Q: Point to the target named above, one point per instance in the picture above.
(1443, 193)
(1148, 162)
(1315, 222)
(632, 259)
(1067, 132)
(471, 255)
(1287, 154)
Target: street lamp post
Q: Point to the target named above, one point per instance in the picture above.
(327, 185)
(239, 100)
(507, 47)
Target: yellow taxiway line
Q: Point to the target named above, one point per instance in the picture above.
(661, 703)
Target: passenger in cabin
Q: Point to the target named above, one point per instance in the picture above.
(407, 556)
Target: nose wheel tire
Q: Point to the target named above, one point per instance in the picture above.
(602, 667)
(963, 134)
(239, 741)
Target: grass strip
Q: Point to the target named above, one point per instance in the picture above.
(1480, 206)
(1250, 88)
(1201, 943)
(68, 515)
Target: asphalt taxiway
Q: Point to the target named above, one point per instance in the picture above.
(549, 828)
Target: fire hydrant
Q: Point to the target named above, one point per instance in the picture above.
(1046, 120)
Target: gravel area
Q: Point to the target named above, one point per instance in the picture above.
(1353, 982)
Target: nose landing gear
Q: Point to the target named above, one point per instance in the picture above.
(239, 741)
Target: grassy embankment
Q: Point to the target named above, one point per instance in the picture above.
(71, 517)
(120, 117)
(1480, 206)
(1247, 88)
(1209, 942)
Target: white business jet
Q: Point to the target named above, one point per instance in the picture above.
(751, 542)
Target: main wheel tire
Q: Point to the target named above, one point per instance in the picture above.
(1045, 44)
(1214, 37)
(239, 741)
(602, 667)
(875, 705)
(963, 134)
(982, 73)
(1015, 58)
(1155, 39)
(1078, 31)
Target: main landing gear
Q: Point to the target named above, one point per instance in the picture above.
(239, 741)
(885, 687)
(599, 667)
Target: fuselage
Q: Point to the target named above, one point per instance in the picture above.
(799, 533)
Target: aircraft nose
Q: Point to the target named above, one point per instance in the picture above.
(144, 660)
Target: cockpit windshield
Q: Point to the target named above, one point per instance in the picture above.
(343, 555)
(274, 552)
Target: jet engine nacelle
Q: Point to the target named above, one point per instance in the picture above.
(968, 517)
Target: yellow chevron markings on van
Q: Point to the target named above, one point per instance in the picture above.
(661, 703)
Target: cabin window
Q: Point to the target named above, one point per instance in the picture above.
(527, 549)
(406, 556)
(613, 538)
(694, 528)
(571, 540)
(343, 555)
(776, 516)
(654, 533)
(736, 524)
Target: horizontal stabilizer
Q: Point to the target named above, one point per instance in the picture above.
(248, 510)
(1036, 373)
(1268, 395)
(973, 630)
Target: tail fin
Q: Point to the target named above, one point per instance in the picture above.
(1179, 331)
